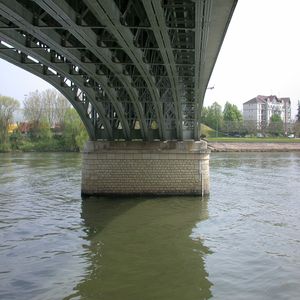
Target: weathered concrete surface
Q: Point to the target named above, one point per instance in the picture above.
(253, 147)
(145, 168)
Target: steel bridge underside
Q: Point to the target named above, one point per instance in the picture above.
(133, 69)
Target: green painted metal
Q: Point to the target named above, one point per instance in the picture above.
(133, 69)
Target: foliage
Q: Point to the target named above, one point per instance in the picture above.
(8, 106)
(297, 128)
(232, 117)
(232, 113)
(40, 131)
(75, 134)
(16, 140)
(298, 112)
(5, 147)
(229, 122)
(50, 109)
(47, 106)
(212, 116)
(297, 124)
(276, 125)
(55, 107)
(53, 124)
(252, 140)
(33, 107)
(275, 118)
(234, 128)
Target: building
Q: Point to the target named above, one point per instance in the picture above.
(260, 109)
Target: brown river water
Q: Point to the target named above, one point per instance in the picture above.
(241, 242)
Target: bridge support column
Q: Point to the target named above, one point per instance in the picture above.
(145, 168)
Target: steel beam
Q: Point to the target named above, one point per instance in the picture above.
(158, 25)
(66, 16)
(44, 58)
(109, 15)
(13, 11)
(13, 57)
(209, 14)
(121, 63)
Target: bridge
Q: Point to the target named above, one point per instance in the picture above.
(136, 71)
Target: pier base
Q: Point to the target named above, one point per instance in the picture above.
(145, 168)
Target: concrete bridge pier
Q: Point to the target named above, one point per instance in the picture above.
(145, 168)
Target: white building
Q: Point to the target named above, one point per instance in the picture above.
(260, 109)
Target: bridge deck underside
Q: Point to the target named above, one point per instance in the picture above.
(133, 69)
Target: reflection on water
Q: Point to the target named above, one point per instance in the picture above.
(141, 249)
(241, 243)
(55, 245)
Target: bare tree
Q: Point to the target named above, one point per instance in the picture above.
(48, 105)
(61, 107)
(33, 107)
(49, 99)
(55, 106)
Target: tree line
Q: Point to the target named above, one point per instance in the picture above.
(51, 124)
(229, 121)
(214, 117)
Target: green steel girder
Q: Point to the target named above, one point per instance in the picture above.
(66, 16)
(109, 15)
(14, 57)
(12, 13)
(133, 69)
(44, 57)
(157, 20)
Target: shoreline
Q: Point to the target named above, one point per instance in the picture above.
(252, 147)
(213, 147)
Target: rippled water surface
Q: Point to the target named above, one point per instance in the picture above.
(242, 242)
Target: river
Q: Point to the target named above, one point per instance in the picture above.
(241, 242)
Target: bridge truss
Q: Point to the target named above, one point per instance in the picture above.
(133, 69)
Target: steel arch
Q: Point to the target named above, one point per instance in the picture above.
(133, 69)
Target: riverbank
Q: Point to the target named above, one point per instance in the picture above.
(253, 147)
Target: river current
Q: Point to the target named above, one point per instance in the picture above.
(241, 242)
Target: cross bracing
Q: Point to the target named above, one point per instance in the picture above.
(133, 69)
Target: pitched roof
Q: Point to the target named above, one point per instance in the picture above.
(257, 99)
(286, 100)
(264, 99)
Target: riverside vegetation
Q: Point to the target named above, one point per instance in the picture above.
(228, 122)
(51, 124)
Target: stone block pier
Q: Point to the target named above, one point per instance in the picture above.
(145, 168)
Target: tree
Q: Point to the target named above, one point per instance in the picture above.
(8, 106)
(212, 116)
(297, 123)
(298, 113)
(232, 119)
(49, 105)
(75, 134)
(276, 125)
(297, 129)
(231, 113)
(54, 107)
(48, 98)
(33, 107)
(45, 110)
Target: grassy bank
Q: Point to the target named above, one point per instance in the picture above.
(252, 140)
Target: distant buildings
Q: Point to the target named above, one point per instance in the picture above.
(260, 109)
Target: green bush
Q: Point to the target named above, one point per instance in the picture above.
(5, 147)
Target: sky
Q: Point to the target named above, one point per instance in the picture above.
(260, 56)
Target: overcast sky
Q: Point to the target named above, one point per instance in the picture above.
(260, 56)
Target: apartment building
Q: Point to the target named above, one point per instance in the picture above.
(260, 109)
